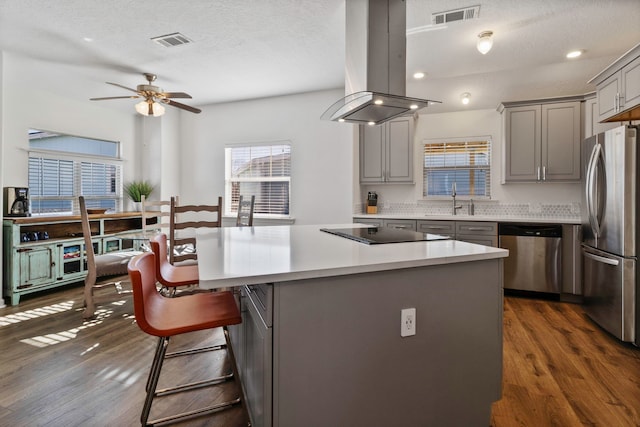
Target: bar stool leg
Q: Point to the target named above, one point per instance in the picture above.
(154, 374)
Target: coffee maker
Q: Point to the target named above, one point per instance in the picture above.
(16, 201)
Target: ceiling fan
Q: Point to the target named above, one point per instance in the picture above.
(153, 97)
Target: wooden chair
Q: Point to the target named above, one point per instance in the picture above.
(110, 265)
(245, 212)
(167, 317)
(169, 275)
(158, 209)
(183, 222)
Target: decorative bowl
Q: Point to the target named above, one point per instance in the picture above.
(93, 211)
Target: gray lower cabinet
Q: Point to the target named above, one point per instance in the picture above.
(404, 224)
(252, 342)
(482, 233)
(443, 228)
(376, 222)
(310, 352)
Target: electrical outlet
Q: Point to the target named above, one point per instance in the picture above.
(407, 322)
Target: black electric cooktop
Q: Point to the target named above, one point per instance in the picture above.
(379, 235)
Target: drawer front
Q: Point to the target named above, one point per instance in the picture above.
(372, 221)
(405, 224)
(262, 298)
(480, 240)
(477, 228)
(444, 228)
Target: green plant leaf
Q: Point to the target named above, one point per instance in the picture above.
(135, 190)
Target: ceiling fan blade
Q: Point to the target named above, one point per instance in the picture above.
(182, 106)
(123, 87)
(174, 95)
(113, 97)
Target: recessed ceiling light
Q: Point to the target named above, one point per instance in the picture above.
(465, 98)
(87, 39)
(378, 102)
(419, 75)
(574, 54)
(341, 120)
(371, 123)
(413, 106)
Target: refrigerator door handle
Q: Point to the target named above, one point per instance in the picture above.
(590, 189)
(601, 259)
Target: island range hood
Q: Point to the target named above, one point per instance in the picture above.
(376, 75)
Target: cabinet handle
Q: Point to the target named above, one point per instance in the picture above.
(620, 101)
(479, 229)
(544, 173)
(24, 249)
(538, 173)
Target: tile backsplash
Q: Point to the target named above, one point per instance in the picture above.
(484, 208)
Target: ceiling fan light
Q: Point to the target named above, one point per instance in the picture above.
(485, 42)
(157, 109)
(465, 98)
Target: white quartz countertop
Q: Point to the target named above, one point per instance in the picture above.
(460, 217)
(235, 256)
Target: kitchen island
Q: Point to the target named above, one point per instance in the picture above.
(320, 343)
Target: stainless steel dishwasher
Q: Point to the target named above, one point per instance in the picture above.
(535, 257)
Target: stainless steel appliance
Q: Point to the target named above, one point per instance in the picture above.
(16, 201)
(610, 231)
(535, 257)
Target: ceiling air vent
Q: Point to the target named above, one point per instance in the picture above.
(171, 40)
(463, 14)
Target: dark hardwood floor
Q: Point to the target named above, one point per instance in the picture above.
(58, 370)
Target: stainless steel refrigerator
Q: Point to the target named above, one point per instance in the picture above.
(610, 227)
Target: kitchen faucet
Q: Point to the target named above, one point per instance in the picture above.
(453, 194)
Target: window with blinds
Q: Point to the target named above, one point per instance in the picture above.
(59, 173)
(463, 162)
(261, 170)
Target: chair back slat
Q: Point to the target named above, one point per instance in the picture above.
(245, 212)
(182, 245)
(160, 210)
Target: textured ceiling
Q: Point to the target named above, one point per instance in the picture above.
(258, 48)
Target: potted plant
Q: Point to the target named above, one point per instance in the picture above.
(136, 189)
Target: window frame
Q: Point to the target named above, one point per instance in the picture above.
(458, 140)
(231, 207)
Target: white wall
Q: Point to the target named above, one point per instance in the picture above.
(321, 152)
(32, 101)
(472, 123)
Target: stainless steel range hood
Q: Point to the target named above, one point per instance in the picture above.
(376, 75)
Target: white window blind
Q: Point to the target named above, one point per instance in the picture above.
(260, 170)
(57, 179)
(463, 162)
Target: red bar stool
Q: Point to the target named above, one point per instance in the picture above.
(169, 275)
(166, 317)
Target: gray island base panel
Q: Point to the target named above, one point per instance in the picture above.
(320, 344)
(339, 360)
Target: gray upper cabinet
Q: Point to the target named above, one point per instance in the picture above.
(592, 125)
(618, 89)
(386, 152)
(542, 141)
